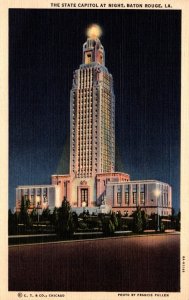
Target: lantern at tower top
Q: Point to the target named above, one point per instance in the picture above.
(94, 31)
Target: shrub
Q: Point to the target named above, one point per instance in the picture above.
(64, 225)
(108, 227)
(137, 221)
(162, 227)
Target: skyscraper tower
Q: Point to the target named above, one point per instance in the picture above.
(92, 112)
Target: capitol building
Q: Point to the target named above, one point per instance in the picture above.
(92, 182)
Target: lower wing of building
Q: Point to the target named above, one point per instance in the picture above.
(113, 188)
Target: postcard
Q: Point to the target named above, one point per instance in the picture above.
(94, 164)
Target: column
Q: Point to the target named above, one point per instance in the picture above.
(78, 197)
(138, 194)
(42, 199)
(131, 195)
(123, 195)
(89, 198)
(115, 195)
(29, 197)
(48, 197)
(146, 200)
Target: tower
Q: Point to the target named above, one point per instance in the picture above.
(92, 113)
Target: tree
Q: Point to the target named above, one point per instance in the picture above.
(75, 221)
(145, 222)
(23, 216)
(178, 221)
(109, 223)
(153, 221)
(162, 227)
(108, 227)
(114, 220)
(33, 215)
(119, 220)
(46, 214)
(64, 224)
(137, 221)
(54, 216)
(173, 212)
(11, 222)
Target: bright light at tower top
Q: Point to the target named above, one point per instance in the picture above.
(94, 31)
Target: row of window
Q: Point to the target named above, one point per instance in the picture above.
(106, 98)
(38, 192)
(133, 198)
(106, 115)
(84, 170)
(85, 109)
(86, 77)
(85, 92)
(87, 117)
(85, 134)
(106, 86)
(87, 114)
(32, 198)
(83, 175)
(83, 101)
(85, 142)
(87, 148)
(86, 70)
(88, 126)
(85, 84)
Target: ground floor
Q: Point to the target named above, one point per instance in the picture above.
(102, 193)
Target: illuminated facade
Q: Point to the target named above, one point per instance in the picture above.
(92, 179)
(39, 196)
(152, 196)
(92, 107)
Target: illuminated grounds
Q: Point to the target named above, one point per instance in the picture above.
(141, 264)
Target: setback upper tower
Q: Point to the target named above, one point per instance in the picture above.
(92, 112)
(93, 52)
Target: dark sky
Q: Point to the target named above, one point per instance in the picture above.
(143, 54)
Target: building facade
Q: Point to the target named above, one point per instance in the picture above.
(40, 196)
(92, 180)
(154, 197)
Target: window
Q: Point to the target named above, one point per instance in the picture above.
(84, 195)
(142, 194)
(134, 186)
(119, 197)
(88, 58)
(141, 197)
(126, 197)
(134, 197)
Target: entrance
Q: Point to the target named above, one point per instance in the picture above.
(84, 196)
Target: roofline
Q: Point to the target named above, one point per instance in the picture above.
(35, 186)
(63, 175)
(139, 181)
(104, 173)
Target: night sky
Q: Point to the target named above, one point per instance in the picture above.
(142, 53)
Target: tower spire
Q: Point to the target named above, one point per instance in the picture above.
(93, 51)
